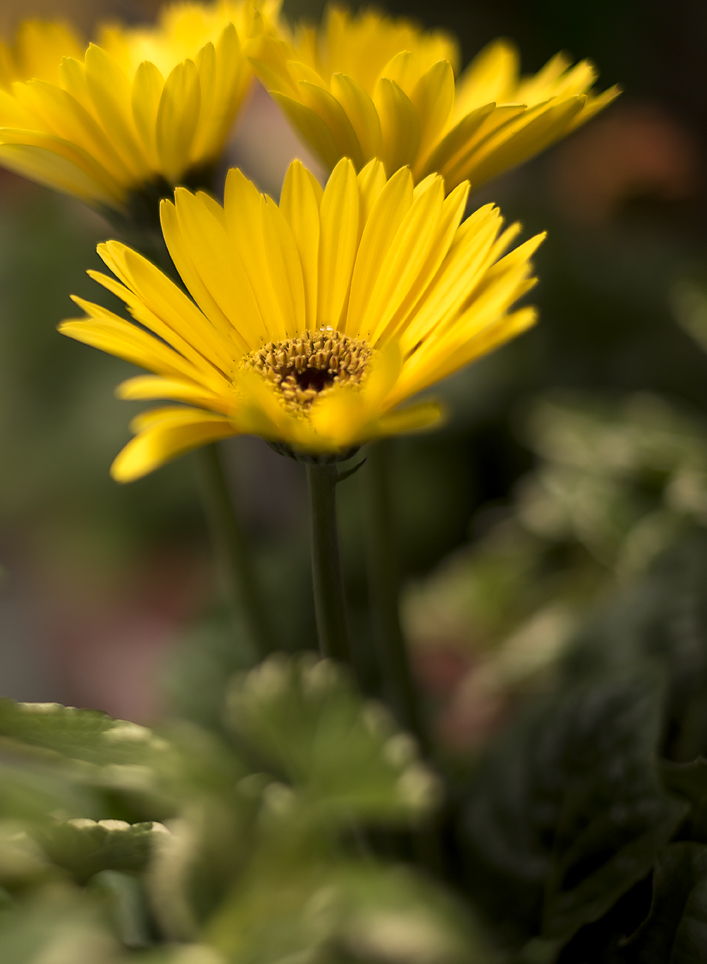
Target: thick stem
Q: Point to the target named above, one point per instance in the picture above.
(231, 549)
(329, 600)
(384, 591)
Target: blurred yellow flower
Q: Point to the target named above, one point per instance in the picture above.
(367, 86)
(145, 109)
(313, 320)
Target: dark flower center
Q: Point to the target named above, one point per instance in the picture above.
(304, 367)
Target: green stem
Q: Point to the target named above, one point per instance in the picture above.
(232, 551)
(329, 600)
(384, 591)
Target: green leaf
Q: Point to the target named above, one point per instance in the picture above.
(567, 812)
(22, 862)
(85, 847)
(675, 931)
(183, 954)
(126, 902)
(688, 780)
(57, 925)
(312, 909)
(85, 735)
(33, 792)
(392, 914)
(308, 725)
(661, 618)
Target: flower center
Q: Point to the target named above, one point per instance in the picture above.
(303, 368)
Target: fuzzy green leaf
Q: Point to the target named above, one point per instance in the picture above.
(567, 813)
(309, 727)
(86, 735)
(85, 847)
(368, 911)
(58, 925)
(675, 931)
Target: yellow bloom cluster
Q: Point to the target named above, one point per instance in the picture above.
(311, 321)
(368, 86)
(143, 107)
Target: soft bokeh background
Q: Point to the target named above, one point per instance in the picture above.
(574, 458)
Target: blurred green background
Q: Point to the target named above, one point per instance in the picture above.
(557, 482)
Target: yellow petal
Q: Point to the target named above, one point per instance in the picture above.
(482, 343)
(371, 181)
(166, 438)
(491, 77)
(260, 412)
(433, 99)
(225, 75)
(219, 266)
(388, 211)
(154, 386)
(446, 229)
(332, 113)
(111, 334)
(179, 251)
(160, 305)
(385, 369)
(464, 138)
(340, 419)
(502, 152)
(177, 119)
(360, 111)
(58, 164)
(299, 204)
(338, 241)
(404, 260)
(147, 93)
(111, 94)
(413, 418)
(462, 272)
(404, 70)
(59, 113)
(244, 209)
(399, 125)
(312, 129)
(73, 80)
(285, 270)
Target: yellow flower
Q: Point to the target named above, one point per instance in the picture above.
(145, 109)
(368, 86)
(313, 320)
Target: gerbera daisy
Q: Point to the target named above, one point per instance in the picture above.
(143, 110)
(368, 86)
(312, 321)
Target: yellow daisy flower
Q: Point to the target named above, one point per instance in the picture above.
(311, 321)
(367, 86)
(144, 109)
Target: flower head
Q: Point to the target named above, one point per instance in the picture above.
(367, 86)
(144, 109)
(312, 321)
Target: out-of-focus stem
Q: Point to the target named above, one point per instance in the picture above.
(384, 591)
(329, 599)
(232, 551)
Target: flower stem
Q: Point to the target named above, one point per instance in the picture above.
(384, 590)
(232, 551)
(329, 600)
